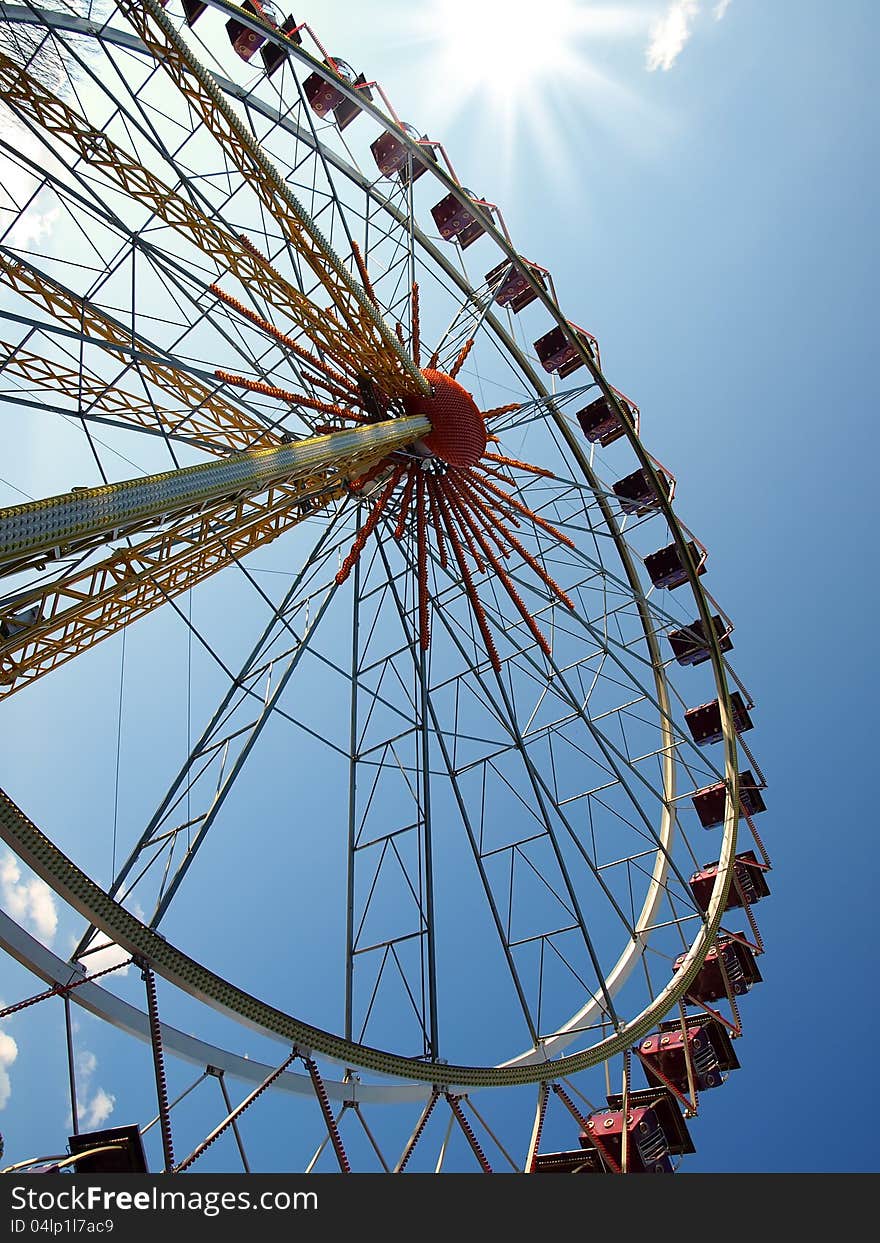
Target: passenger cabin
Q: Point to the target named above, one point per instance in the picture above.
(709, 803)
(324, 97)
(601, 423)
(123, 1151)
(664, 1054)
(510, 286)
(689, 645)
(749, 883)
(556, 353)
(246, 41)
(637, 494)
(455, 221)
(272, 54)
(655, 1128)
(193, 10)
(726, 956)
(704, 721)
(392, 156)
(666, 568)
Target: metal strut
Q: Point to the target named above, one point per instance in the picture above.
(74, 518)
(159, 1065)
(220, 1077)
(535, 1142)
(417, 1133)
(324, 1102)
(468, 1132)
(60, 990)
(234, 1115)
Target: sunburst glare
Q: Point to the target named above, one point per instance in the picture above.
(524, 66)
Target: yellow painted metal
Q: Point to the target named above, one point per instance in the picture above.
(47, 626)
(57, 525)
(106, 400)
(380, 355)
(211, 417)
(30, 98)
(51, 625)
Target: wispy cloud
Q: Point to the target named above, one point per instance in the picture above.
(8, 1054)
(98, 1109)
(95, 1105)
(28, 900)
(670, 33)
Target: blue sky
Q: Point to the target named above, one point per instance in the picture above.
(699, 180)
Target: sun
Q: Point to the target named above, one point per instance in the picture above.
(520, 68)
(502, 48)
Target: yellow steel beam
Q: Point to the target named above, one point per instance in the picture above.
(58, 525)
(231, 507)
(49, 626)
(212, 419)
(30, 98)
(382, 356)
(103, 399)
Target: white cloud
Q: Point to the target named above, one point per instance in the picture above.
(86, 1063)
(29, 901)
(671, 32)
(33, 227)
(720, 9)
(98, 1109)
(94, 1106)
(8, 1054)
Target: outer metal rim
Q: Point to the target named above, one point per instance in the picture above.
(58, 871)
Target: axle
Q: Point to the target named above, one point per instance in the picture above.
(85, 516)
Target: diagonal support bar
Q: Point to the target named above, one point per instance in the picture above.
(159, 1067)
(75, 518)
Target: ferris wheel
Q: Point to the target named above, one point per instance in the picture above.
(390, 781)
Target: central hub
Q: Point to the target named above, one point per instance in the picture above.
(458, 430)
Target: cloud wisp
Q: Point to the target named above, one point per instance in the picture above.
(673, 29)
(28, 900)
(8, 1054)
(670, 33)
(95, 1105)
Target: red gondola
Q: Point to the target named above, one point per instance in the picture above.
(689, 645)
(601, 423)
(666, 569)
(556, 353)
(726, 957)
(709, 803)
(637, 494)
(704, 721)
(655, 1128)
(455, 221)
(392, 156)
(664, 1054)
(749, 883)
(324, 97)
(509, 284)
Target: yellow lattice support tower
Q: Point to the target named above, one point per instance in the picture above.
(107, 400)
(212, 418)
(216, 513)
(379, 353)
(31, 99)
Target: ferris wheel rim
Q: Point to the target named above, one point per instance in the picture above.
(182, 971)
(635, 1028)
